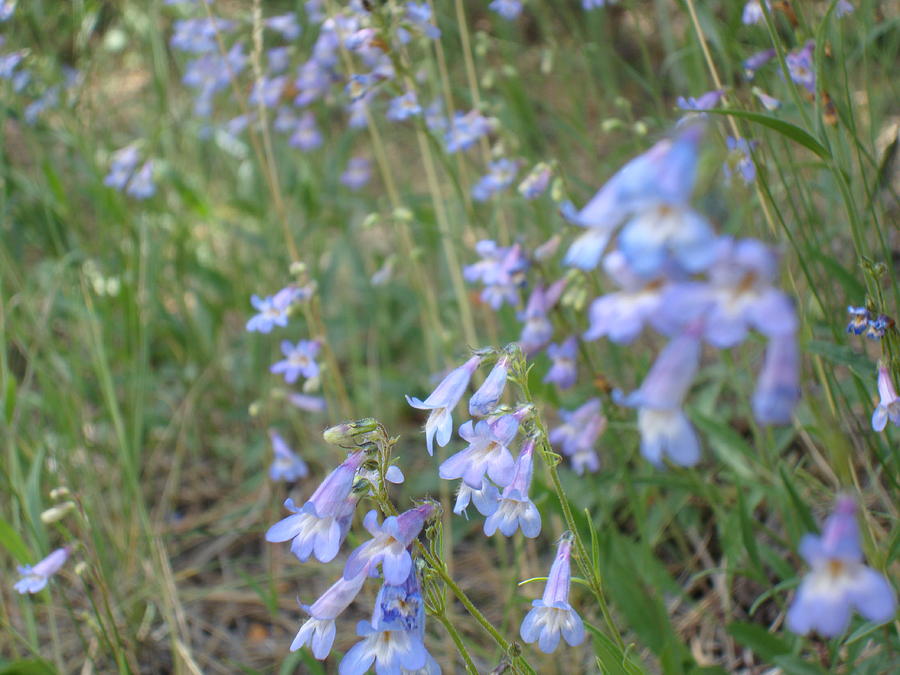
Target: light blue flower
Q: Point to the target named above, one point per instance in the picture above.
(403, 107)
(306, 134)
(536, 182)
(488, 395)
(508, 9)
(564, 370)
(486, 499)
(123, 163)
(419, 14)
(287, 465)
(515, 509)
(578, 433)
(285, 24)
(753, 12)
(888, 407)
(501, 174)
(357, 173)
(486, 455)
(141, 185)
(319, 630)
(756, 61)
(300, 359)
(442, 401)
(35, 578)
(801, 67)
(274, 310)
(740, 159)
(778, 386)
(552, 616)
(465, 130)
(838, 582)
(501, 270)
(537, 329)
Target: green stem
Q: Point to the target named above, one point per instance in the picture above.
(457, 640)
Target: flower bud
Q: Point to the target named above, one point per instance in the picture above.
(59, 493)
(348, 432)
(57, 512)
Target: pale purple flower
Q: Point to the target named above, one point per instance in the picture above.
(536, 182)
(502, 271)
(703, 102)
(651, 193)
(537, 329)
(322, 523)
(578, 433)
(621, 316)
(210, 73)
(141, 185)
(285, 24)
(753, 12)
(442, 401)
(7, 8)
(198, 35)
(466, 129)
(838, 582)
(313, 81)
(404, 107)
(287, 465)
(394, 639)
(564, 371)
(357, 173)
(307, 402)
(274, 310)
(279, 58)
(770, 103)
(739, 159)
(664, 428)
(595, 4)
(435, 119)
(888, 407)
(486, 499)
(778, 387)
(843, 8)
(801, 67)
(486, 455)
(389, 544)
(756, 61)
(123, 163)
(738, 295)
(419, 14)
(47, 100)
(314, 10)
(319, 630)
(488, 395)
(300, 360)
(35, 578)
(9, 62)
(267, 91)
(500, 175)
(508, 9)
(515, 509)
(306, 134)
(552, 616)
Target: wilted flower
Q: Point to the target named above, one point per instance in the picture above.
(576, 436)
(563, 372)
(502, 271)
(322, 523)
(664, 428)
(889, 404)
(442, 401)
(35, 578)
(515, 509)
(859, 319)
(300, 360)
(778, 387)
(389, 544)
(486, 455)
(287, 465)
(357, 174)
(403, 107)
(488, 395)
(552, 616)
(839, 582)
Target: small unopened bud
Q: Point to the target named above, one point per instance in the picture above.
(255, 408)
(640, 128)
(298, 268)
(369, 221)
(81, 568)
(403, 214)
(57, 512)
(59, 493)
(348, 432)
(557, 190)
(611, 124)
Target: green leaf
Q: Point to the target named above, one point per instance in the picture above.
(728, 444)
(12, 541)
(792, 131)
(794, 665)
(764, 644)
(611, 659)
(843, 356)
(27, 667)
(806, 516)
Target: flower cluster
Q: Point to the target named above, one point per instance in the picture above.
(124, 173)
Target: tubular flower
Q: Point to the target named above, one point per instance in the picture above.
(487, 454)
(838, 582)
(322, 523)
(552, 615)
(564, 371)
(515, 509)
(35, 578)
(318, 630)
(778, 387)
(442, 401)
(286, 465)
(486, 499)
(537, 329)
(576, 436)
(490, 392)
(502, 271)
(888, 407)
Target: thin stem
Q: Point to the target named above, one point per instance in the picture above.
(457, 640)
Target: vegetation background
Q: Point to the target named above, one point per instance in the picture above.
(127, 376)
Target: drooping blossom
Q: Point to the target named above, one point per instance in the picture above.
(500, 175)
(537, 329)
(502, 271)
(564, 370)
(486, 455)
(536, 182)
(319, 630)
(322, 523)
(389, 544)
(888, 407)
(515, 509)
(739, 160)
(778, 386)
(801, 67)
(552, 616)
(664, 428)
(739, 294)
(442, 401)
(838, 582)
(35, 578)
(300, 359)
(621, 316)
(650, 195)
(488, 395)
(394, 639)
(578, 433)
(486, 499)
(286, 465)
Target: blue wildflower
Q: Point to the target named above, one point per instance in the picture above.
(35, 578)
(487, 454)
(500, 175)
(306, 134)
(300, 359)
(563, 372)
(859, 319)
(466, 129)
(488, 395)
(801, 67)
(703, 102)
(888, 407)
(502, 271)
(267, 91)
(313, 81)
(838, 582)
(878, 326)
(141, 185)
(508, 9)
(279, 58)
(843, 8)
(778, 387)
(578, 433)
(769, 102)
(286, 465)
(537, 329)
(515, 509)
(285, 24)
(756, 61)
(486, 499)
(122, 166)
(419, 14)
(536, 182)
(552, 616)
(7, 8)
(753, 12)
(357, 173)
(274, 310)
(198, 36)
(739, 158)
(319, 630)
(404, 107)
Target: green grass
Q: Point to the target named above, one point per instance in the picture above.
(127, 377)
